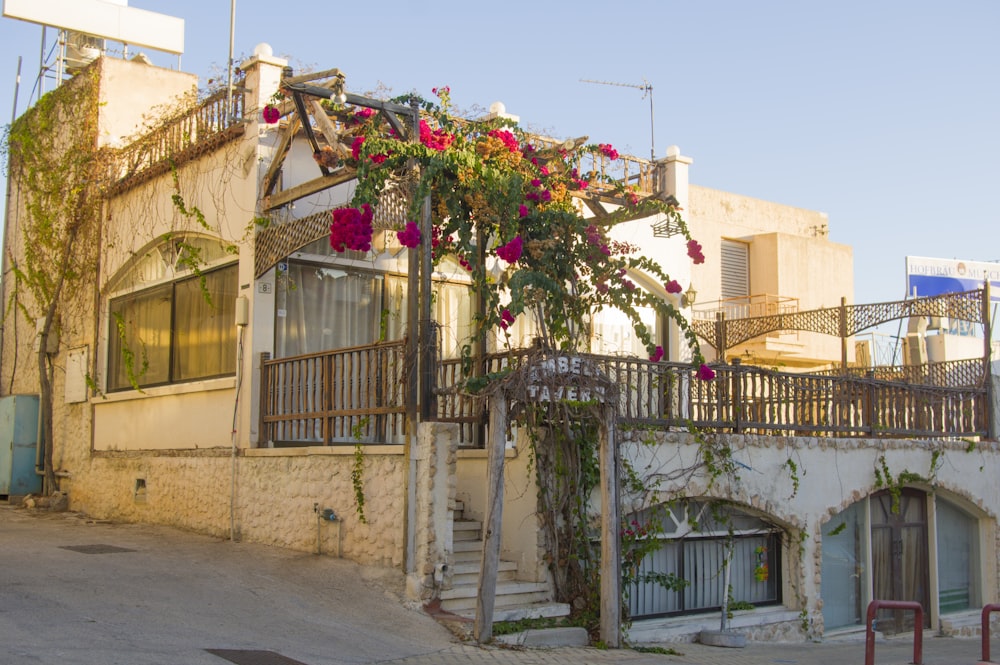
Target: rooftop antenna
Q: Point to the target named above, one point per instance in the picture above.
(647, 89)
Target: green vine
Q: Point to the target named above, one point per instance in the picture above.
(358, 467)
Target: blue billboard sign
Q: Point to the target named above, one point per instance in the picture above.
(935, 277)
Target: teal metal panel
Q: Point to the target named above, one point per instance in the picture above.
(19, 445)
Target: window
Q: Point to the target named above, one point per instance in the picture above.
(696, 555)
(179, 331)
(735, 265)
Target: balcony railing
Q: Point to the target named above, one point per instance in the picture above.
(746, 307)
(358, 394)
(335, 397)
(186, 135)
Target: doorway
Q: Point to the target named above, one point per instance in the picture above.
(899, 556)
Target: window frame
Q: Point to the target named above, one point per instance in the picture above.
(173, 280)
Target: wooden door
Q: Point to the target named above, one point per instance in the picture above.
(899, 556)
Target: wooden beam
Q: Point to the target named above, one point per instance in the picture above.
(486, 597)
(611, 552)
(271, 177)
(287, 196)
(326, 128)
(312, 76)
(300, 105)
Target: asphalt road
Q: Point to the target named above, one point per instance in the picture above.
(78, 592)
(144, 595)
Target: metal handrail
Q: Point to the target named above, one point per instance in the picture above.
(918, 632)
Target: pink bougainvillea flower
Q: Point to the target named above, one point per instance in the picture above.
(608, 150)
(673, 286)
(523, 211)
(706, 373)
(409, 236)
(436, 139)
(544, 170)
(506, 319)
(536, 182)
(271, 114)
(657, 355)
(351, 229)
(511, 252)
(356, 147)
(694, 251)
(508, 139)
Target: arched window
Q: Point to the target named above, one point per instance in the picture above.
(685, 572)
(174, 320)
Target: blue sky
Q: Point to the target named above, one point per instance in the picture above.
(883, 114)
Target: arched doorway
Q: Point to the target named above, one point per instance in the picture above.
(900, 555)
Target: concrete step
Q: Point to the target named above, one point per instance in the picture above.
(463, 573)
(508, 594)
(466, 530)
(519, 612)
(467, 546)
(568, 636)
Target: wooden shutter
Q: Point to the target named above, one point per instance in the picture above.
(735, 261)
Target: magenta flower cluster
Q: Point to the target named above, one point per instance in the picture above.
(409, 236)
(706, 373)
(694, 251)
(351, 229)
(657, 355)
(511, 251)
(506, 319)
(673, 286)
(271, 114)
(507, 138)
(435, 139)
(607, 150)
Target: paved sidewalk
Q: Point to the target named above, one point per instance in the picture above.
(78, 592)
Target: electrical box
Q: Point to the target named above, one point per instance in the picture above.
(19, 446)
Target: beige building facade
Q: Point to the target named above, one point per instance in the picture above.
(187, 447)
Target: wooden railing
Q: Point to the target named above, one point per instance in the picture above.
(358, 394)
(335, 397)
(747, 399)
(184, 136)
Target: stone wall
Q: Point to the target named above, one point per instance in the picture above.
(274, 494)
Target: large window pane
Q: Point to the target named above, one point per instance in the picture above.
(139, 339)
(205, 325)
(957, 558)
(322, 308)
(843, 568)
(174, 332)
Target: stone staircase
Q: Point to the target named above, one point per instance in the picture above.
(515, 599)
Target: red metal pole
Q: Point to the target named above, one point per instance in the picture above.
(918, 629)
(987, 610)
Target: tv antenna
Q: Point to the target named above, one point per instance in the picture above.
(647, 89)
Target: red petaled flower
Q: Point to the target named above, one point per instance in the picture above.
(271, 114)
(351, 229)
(673, 286)
(409, 236)
(506, 319)
(705, 373)
(511, 252)
(694, 251)
(657, 355)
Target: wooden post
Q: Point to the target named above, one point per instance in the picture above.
(611, 554)
(486, 596)
(843, 333)
(991, 425)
